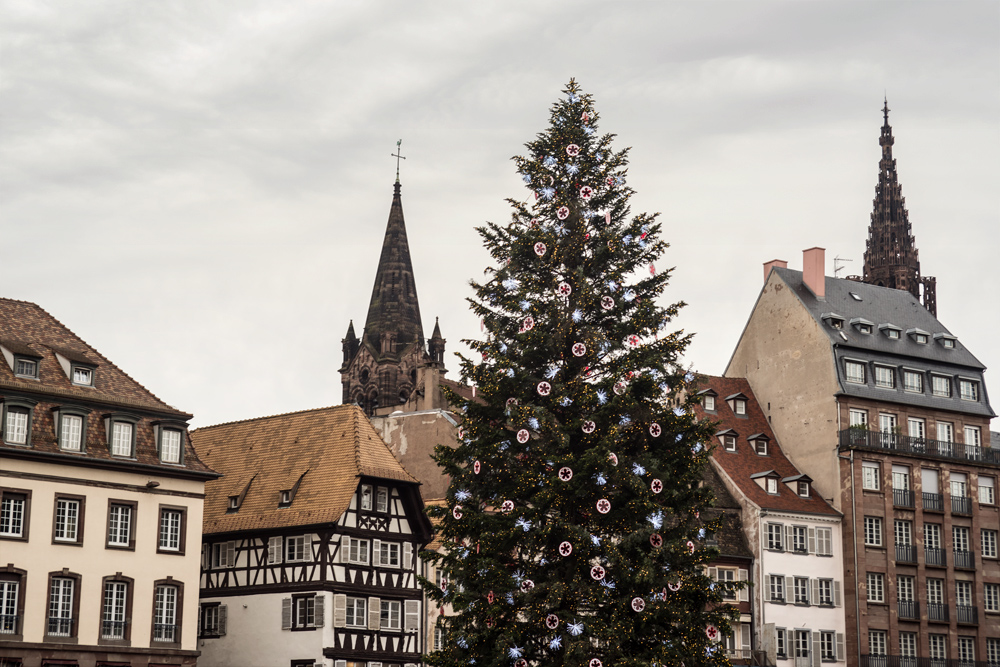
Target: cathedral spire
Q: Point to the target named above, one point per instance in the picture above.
(891, 257)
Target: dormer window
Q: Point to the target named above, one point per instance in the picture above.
(919, 336)
(946, 341)
(26, 368)
(913, 381)
(800, 484)
(286, 498)
(710, 403)
(728, 439)
(707, 399)
(863, 326)
(759, 443)
(890, 331)
(767, 480)
(737, 403)
(366, 497)
(833, 319)
(83, 376)
(382, 500)
(855, 296)
(234, 503)
(855, 371)
(803, 489)
(772, 486)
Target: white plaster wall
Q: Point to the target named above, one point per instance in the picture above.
(254, 635)
(92, 561)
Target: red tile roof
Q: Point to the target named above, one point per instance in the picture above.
(745, 461)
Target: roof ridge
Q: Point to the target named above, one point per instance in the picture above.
(278, 414)
(357, 443)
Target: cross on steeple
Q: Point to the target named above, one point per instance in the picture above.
(398, 157)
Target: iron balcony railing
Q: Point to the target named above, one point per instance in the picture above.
(865, 439)
(164, 632)
(906, 553)
(60, 627)
(899, 661)
(965, 560)
(909, 609)
(112, 629)
(8, 624)
(961, 505)
(902, 498)
(937, 612)
(967, 614)
(935, 558)
(933, 502)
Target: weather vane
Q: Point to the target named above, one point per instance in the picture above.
(398, 157)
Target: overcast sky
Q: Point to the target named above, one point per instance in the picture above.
(200, 189)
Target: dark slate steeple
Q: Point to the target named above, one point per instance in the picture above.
(891, 257)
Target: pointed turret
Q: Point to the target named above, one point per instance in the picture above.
(350, 343)
(891, 257)
(393, 321)
(435, 346)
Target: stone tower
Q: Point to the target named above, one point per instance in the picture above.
(380, 370)
(891, 258)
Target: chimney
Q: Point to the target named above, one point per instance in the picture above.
(814, 271)
(774, 264)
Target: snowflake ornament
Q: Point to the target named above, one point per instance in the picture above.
(565, 289)
(572, 150)
(562, 212)
(515, 652)
(586, 192)
(552, 621)
(597, 573)
(555, 643)
(523, 435)
(540, 249)
(603, 506)
(638, 604)
(565, 549)
(656, 519)
(579, 349)
(638, 470)
(565, 473)
(607, 303)
(462, 495)
(655, 430)
(548, 193)
(544, 388)
(629, 295)
(656, 486)
(656, 540)
(602, 396)
(523, 524)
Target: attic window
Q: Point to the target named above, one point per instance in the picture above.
(286, 498)
(919, 336)
(709, 402)
(862, 325)
(947, 341)
(234, 503)
(83, 376)
(855, 296)
(728, 439)
(833, 319)
(25, 367)
(803, 489)
(771, 484)
(759, 444)
(891, 331)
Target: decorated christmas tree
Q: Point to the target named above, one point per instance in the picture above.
(572, 533)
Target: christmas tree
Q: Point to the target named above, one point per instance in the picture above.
(572, 533)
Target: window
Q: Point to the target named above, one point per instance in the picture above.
(989, 540)
(876, 587)
(973, 437)
(776, 584)
(17, 425)
(740, 406)
(901, 477)
(959, 484)
(121, 524)
(780, 642)
(824, 541)
(388, 554)
(170, 445)
(298, 548)
(920, 338)
(858, 418)
(11, 603)
(709, 402)
(172, 529)
(871, 476)
(932, 536)
(908, 644)
(441, 579)
(904, 588)
(728, 577)
(887, 423)
(827, 646)
(825, 590)
(993, 652)
(803, 489)
(935, 591)
(772, 485)
(115, 610)
(873, 531)
(729, 443)
(885, 377)
(439, 636)
(70, 432)
(214, 617)
(25, 368)
(356, 616)
(799, 536)
(62, 607)
(916, 428)
(960, 538)
(946, 432)
(987, 490)
(382, 500)
(165, 614)
(892, 334)
(760, 446)
(913, 381)
(366, 497)
(14, 514)
(991, 597)
(390, 615)
(122, 438)
(355, 550)
(968, 390)
(83, 376)
(940, 386)
(948, 343)
(937, 645)
(67, 526)
(223, 554)
(302, 612)
(801, 585)
(802, 643)
(966, 650)
(903, 531)
(963, 593)
(775, 533)
(855, 372)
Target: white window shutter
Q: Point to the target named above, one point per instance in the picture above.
(815, 591)
(319, 618)
(789, 589)
(713, 573)
(840, 646)
(767, 589)
(339, 610)
(745, 636)
(205, 561)
(345, 549)
(374, 613)
(376, 553)
(815, 649)
(223, 619)
(274, 550)
(407, 555)
(308, 548)
(812, 540)
(412, 620)
(230, 554)
(744, 595)
(286, 613)
(789, 532)
(836, 593)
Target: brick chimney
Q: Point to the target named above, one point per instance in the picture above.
(814, 271)
(774, 264)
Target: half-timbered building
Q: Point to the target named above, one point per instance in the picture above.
(310, 545)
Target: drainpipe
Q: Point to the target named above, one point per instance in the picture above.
(854, 539)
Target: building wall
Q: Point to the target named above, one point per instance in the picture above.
(93, 561)
(787, 359)
(412, 437)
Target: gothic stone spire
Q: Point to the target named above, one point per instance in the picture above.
(891, 257)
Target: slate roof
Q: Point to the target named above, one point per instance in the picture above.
(335, 447)
(25, 328)
(883, 305)
(730, 537)
(745, 461)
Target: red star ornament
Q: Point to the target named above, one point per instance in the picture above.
(565, 289)
(656, 540)
(589, 426)
(572, 150)
(597, 572)
(552, 621)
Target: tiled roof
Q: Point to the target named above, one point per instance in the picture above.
(334, 446)
(26, 328)
(744, 462)
(730, 537)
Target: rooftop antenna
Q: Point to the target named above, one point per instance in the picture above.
(837, 268)
(398, 157)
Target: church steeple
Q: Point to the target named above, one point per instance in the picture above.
(891, 257)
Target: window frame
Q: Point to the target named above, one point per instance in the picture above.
(89, 370)
(708, 403)
(24, 495)
(875, 586)
(991, 597)
(871, 481)
(178, 624)
(885, 376)
(18, 405)
(219, 611)
(9, 573)
(775, 530)
(988, 539)
(26, 359)
(876, 530)
(366, 498)
(64, 412)
(74, 618)
(126, 638)
(119, 419)
(387, 547)
(851, 374)
(390, 605)
(182, 528)
(776, 584)
(351, 612)
(973, 394)
(878, 642)
(913, 381)
(308, 602)
(133, 515)
(161, 432)
(771, 486)
(944, 392)
(81, 505)
(383, 494)
(991, 488)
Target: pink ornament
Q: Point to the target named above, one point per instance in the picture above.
(579, 349)
(490, 597)
(652, 270)
(656, 486)
(565, 289)
(613, 458)
(523, 435)
(507, 506)
(476, 467)
(528, 324)
(565, 549)
(585, 118)
(633, 341)
(540, 249)
(586, 192)
(527, 585)
(565, 473)
(610, 181)
(638, 604)
(712, 633)
(544, 388)
(562, 213)
(674, 586)
(690, 546)
(596, 663)
(603, 506)
(552, 621)
(457, 512)
(655, 430)
(572, 150)
(607, 217)
(619, 387)
(589, 426)
(461, 433)
(597, 572)
(607, 303)
(656, 540)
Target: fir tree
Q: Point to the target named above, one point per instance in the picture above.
(572, 533)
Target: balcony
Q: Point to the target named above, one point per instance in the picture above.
(865, 439)
(897, 661)
(906, 553)
(909, 609)
(933, 502)
(902, 498)
(60, 627)
(164, 632)
(935, 558)
(965, 560)
(937, 612)
(961, 505)
(112, 629)
(967, 614)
